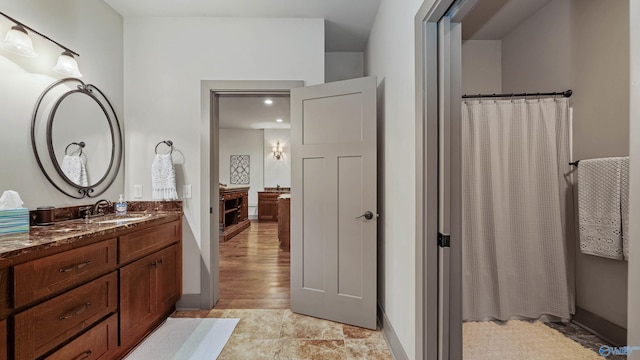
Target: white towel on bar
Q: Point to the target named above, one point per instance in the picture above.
(74, 169)
(624, 205)
(599, 207)
(163, 178)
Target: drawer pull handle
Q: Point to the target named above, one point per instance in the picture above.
(84, 355)
(76, 267)
(157, 262)
(76, 312)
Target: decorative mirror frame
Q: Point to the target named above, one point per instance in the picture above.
(99, 187)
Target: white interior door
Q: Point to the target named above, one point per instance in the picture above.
(333, 201)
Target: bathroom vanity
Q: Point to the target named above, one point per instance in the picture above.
(88, 289)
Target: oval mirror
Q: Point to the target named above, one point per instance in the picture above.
(82, 136)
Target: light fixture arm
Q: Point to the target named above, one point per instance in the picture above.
(39, 33)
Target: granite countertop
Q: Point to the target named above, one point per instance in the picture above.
(67, 232)
(284, 196)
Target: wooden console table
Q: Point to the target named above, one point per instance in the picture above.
(234, 211)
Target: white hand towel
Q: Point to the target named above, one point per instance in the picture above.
(600, 220)
(74, 169)
(624, 205)
(163, 178)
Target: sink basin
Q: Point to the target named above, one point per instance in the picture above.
(122, 220)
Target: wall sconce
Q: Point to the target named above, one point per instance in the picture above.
(277, 151)
(18, 42)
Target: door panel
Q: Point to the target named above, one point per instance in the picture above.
(313, 266)
(323, 115)
(333, 249)
(350, 230)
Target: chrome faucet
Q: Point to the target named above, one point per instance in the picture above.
(98, 207)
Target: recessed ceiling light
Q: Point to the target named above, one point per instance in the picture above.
(268, 101)
(279, 120)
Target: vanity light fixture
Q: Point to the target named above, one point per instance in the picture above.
(279, 120)
(268, 101)
(18, 42)
(277, 151)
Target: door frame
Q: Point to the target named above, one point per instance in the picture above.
(210, 90)
(429, 105)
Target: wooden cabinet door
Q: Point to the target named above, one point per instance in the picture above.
(137, 300)
(168, 275)
(149, 288)
(268, 206)
(3, 340)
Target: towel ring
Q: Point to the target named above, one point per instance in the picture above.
(169, 143)
(79, 144)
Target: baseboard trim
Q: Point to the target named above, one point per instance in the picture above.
(189, 302)
(603, 328)
(390, 335)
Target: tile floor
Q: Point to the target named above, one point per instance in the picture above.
(281, 334)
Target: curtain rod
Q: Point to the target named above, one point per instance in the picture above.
(567, 93)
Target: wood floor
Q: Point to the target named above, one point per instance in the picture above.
(254, 271)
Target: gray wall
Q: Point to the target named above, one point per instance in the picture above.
(91, 28)
(481, 67)
(582, 45)
(343, 65)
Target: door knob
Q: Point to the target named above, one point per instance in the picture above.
(367, 215)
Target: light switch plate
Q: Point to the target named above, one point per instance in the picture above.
(137, 191)
(186, 191)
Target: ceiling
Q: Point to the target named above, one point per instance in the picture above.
(250, 112)
(494, 19)
(347, 23)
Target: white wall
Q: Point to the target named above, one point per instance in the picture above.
(277, 172)
(89, 27)
(481, 67)
(343, 65)
(390, 56)
(244, 142)
(165, 61)
(582, 45)
(633, 329)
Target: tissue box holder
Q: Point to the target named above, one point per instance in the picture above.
(14, 221)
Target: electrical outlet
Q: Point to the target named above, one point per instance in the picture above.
(186, 191)
(137, 191)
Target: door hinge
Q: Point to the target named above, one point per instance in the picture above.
(444, 240)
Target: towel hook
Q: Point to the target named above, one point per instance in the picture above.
(169, 143)
(79, 144)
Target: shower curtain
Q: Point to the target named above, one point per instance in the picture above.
(515, 155)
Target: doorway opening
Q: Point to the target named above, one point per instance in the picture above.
(255, 182)
(459, 57)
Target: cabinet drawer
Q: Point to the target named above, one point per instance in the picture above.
(98, 343)
(53, 274)
(43, 327)
(3, 340)
(140, 243)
